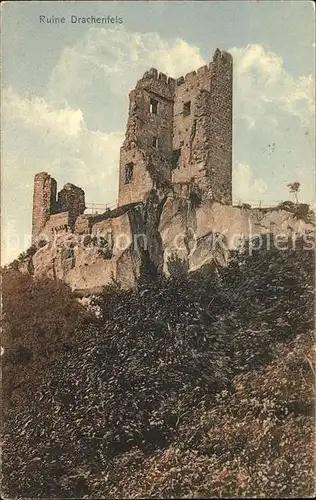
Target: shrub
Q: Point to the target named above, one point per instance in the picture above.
(39, 322)
(195, 386)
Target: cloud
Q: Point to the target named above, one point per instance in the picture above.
(13, 241)
(265, 89)
(36, 112)
(271, 106)
(117, 57)
(57, 139)
(247, 187)
(42, 136)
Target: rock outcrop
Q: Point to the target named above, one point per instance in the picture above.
(163, 232)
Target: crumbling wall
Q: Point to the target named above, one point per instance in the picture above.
(141, 182)
(44, 201)
(192, 122)
(198, 235)
(146, 153)
(158, 88)
(52, 214)
(56, 224)
(71, 199)
(194, 165)
(186, 91)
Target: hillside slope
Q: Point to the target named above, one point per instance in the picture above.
(192, 386)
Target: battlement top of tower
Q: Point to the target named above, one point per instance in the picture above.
(192, 75)
(219, 57)
(153, 74)
(222, 56)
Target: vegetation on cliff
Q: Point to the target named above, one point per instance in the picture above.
(192, 386)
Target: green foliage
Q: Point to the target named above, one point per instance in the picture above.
(28, 253)
(177, 267)
(245, 206)
(39, 321)
(301, 211)
(24, 256)
(195, 386)
(294, 187)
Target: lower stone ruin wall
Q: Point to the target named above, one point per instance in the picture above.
(114, 248)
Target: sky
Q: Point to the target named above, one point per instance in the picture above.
(65, 93)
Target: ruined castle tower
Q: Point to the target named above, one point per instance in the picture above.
(52, 212)
(178, 138)
(146, 153)
(44, 201)
(179, 134)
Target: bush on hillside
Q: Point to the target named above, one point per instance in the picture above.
(195, 386)
(301, 211)
(39, 323)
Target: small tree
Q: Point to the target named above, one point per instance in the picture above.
(294, 187)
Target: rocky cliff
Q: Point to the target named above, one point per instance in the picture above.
(164, 233)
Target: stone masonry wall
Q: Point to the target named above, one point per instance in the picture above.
(51, 215)
(195, 158)
(205, 135)
(193, 127)
(221, 129)
(147, 148)
(186, 90)
(71, 199)
(56, 224)
(44, 201)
